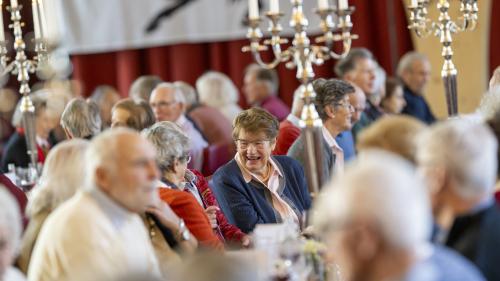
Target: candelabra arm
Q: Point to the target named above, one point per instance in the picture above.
(255, 35)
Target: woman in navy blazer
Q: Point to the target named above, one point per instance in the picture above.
(256, 187)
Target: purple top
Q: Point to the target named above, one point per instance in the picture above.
(276, 107)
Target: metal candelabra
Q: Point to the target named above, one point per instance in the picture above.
(22, 66)
(336, 27)
(444, 28)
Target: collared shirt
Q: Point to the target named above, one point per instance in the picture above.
(281, 206)
(188, 186)
(197, 143)
(294, 120)
(116, 213)
(336, 149)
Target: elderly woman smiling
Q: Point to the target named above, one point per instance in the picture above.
(172, 147)
(256, 187)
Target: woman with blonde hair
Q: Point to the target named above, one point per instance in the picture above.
(396, 134)
(61, 178)
(217, 90)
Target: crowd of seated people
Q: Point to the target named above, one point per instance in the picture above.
(127, 190)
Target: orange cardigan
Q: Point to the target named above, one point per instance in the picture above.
(187, 208)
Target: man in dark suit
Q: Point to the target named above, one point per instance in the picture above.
(458, 159)
(414, 71)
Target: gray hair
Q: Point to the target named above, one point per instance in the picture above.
(467, 150)
(348, 63)
(170, 141)
(189, 93)
(100, 93)
(389, 195)
(262, 74)
(490, 103)
(81, 118)
(216, 89)
(143, 86)
(10, 219)
(61, 177)
(178, 95)
(330, 92)
(406, 61)
(103, 152)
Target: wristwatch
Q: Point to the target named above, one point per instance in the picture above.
(183, 232)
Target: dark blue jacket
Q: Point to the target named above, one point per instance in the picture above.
(417, 107)
(477, 237)
(245, 205)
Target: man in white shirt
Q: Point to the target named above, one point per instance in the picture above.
(97, 234)
(169, 104)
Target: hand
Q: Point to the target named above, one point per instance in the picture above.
(165, 214)
(246, 241)
(211, 212)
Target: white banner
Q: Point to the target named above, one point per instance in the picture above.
(92, 26)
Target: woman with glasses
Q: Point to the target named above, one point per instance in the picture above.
(334, 109)
(255, 187)
(172, 147)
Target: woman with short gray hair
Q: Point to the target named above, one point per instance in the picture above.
(81, 119)
(172, 147)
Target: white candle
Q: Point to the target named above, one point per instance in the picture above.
(322, 4)
(343, 5)
(41, 19)
(13, 3)
(36, 22)
(274, 6)
(414, 3)
(2, 35)
(253, 9)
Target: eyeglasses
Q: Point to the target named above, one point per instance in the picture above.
(163, 104)
(186, 158)
(344, 105)
(244, 144)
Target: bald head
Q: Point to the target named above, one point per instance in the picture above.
(358, 102)
(121, 163)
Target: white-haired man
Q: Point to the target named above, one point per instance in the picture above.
(376, 220)
(359, 68)
(169, 104)
(459, 161)
(81, 119)
(98, 234)
(414, 70)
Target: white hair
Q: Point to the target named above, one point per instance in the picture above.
(178, 95)
(490, 103)
(170, 141)
(466, 150)
(216, 89)
(389, 195)
(61, 177)
(10, 219)
(103, 151)
(188, 91)
(406, 61)
(81, 118)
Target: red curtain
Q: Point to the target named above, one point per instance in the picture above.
(494, 36)
(188, 61)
